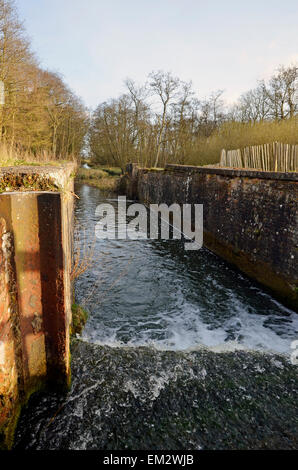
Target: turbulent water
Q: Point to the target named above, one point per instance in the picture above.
(143, 292)
(151, 382)
(141, 398)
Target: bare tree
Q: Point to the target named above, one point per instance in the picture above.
(254, 105)
(282, 92)
(142, 113)
(40, 112)
(166, 87)
(211, 113)
(183, 129)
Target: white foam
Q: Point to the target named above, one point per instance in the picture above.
(186, 330)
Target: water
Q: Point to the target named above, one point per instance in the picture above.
(142, 293)
(142, 398)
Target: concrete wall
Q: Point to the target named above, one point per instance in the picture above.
(250, 217)
(36, 207)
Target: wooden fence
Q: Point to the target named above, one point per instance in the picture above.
(267, 157)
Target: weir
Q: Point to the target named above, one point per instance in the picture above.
(250, 216)
(36, 223)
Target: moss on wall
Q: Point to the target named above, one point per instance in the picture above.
(26, 182)
(79, 318)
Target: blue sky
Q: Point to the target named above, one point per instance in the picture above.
(219, 44)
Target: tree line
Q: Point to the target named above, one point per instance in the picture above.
(39, 115)
(163, 121)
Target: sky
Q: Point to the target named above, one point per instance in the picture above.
(218, 44)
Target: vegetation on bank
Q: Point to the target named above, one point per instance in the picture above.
(30, 182)
(79, 318)
(238, 135)
(104, 179)
(164, 121)
(41, 119)
(18, 158)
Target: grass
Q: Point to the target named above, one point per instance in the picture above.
(100, 178)
(19, 158)
(112, 171)
(79, 318)
(12, 182)
(7, 163)
(235, 135)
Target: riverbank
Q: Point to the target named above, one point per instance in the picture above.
(143, 398)
(103, 179)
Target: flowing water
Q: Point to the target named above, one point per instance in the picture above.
(148, 292)
(165, 360)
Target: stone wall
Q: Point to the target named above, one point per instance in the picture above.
(36, 207)
(250, 217)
